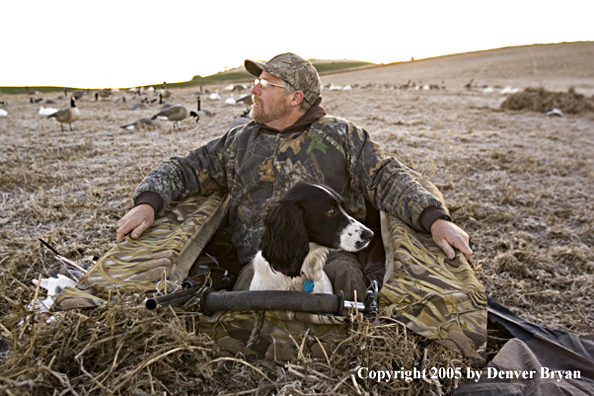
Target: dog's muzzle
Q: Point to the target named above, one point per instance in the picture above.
(355, 237)
(366, 237)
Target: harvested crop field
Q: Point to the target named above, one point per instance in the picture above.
(519, 181)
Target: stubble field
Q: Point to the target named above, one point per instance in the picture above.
(519, 182)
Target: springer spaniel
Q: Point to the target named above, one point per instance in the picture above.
(300, 229)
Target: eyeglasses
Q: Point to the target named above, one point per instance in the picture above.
(265, 83)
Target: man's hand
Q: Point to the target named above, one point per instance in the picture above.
(137, 220)
(448, 236)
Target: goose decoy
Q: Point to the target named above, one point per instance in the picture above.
(64, 96)
(140, 124)
(79, 93)
(165, 93)
(509, 91)
(214, 96)
(3, 113)
(555, 112)
(164, 104)
(230, 101)
(176, 113)
(135, 91)
(200, 112)
(46, 111)
(31, 91)
(103, 93)
(239, 88)
(243, 119)
(246, 99)
(139, 106)
(67, 115)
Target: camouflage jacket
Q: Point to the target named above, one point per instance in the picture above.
(254, 166)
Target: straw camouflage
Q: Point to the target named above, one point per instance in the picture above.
(299, 73)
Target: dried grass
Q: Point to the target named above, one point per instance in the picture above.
(519, 182)
(123, 350)
(542, 100)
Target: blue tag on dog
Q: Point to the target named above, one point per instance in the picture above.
(308, 286)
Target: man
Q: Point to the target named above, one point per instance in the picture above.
(291, 139)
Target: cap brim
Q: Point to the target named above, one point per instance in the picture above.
(254, 67)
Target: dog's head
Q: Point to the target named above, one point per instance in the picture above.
(308, 212)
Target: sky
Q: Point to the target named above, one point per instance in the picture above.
(120, 44)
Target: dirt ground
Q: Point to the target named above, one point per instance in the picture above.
(519, 182)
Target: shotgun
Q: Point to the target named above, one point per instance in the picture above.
(263, 300)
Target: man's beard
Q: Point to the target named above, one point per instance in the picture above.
(274, 112)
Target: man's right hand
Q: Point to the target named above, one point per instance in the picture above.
(136, 221)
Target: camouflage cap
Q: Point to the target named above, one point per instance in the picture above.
(293, 69)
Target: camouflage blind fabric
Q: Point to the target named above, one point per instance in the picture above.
(438, 298)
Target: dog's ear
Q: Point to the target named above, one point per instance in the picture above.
(285, 243)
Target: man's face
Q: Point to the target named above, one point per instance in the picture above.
(270, 103)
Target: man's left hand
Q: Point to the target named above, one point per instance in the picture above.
(448, 236)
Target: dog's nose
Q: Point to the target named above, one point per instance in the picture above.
(366, 234)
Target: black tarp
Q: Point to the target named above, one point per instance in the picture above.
(537, 361)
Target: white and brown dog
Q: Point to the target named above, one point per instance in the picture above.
(299, 231)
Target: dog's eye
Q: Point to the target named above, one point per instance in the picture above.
(331, 212)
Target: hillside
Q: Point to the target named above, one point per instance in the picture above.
(554, 66)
